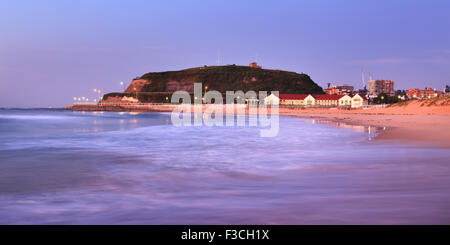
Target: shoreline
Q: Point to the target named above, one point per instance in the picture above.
(427, 126)
(416, 129)
(408, 125)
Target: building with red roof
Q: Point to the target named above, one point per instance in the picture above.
(416, 93)
(295, 99)
(318, 100)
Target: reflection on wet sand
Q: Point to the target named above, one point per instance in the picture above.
(372, 131)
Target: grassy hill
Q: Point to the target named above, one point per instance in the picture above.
(222, 79)
(232, 78)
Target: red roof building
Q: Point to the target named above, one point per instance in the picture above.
(327, 96)
(294, 99)
(423, 94)
(323, 100)
(293, 96)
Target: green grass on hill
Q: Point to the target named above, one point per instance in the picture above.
(229, 78)
(232, 78)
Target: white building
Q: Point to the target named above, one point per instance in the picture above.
(319, 100)
(345, 101)
(272, 100)
(359, 101)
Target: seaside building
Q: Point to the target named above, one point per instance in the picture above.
(318, 100)
(126, 99)
(359, 100)
(339, 90)
(377, 87)
(272, 100)
(345, 101)
(294, 99)
(426, 93)
(327, 100)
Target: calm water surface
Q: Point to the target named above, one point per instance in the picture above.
(63, 167)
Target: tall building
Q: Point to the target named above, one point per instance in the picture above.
(377, 87)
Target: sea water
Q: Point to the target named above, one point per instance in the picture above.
(64, 167)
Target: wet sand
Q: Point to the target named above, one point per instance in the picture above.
(428, 130)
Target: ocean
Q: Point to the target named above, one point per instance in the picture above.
(64, 167)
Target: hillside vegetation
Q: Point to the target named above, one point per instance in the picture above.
(158, 86)
(232, 78)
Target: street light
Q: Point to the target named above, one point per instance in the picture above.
(135, 91)
(98, 91)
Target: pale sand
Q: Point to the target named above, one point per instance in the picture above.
(432, 130)
(427, 125)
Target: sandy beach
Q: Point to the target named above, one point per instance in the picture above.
(429, 129)
(425, 122)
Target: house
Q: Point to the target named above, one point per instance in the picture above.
(126, 99)
(293, 99)
(272, 99)
(416, 93)
(310, 101)
(327, 100)
(359, 101)
(345, 101)
(317, 100)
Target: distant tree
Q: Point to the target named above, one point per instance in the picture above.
(447, 89)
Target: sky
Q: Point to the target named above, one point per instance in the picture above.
(52, 51)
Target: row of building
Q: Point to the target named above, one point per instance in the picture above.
(426, 93)
(317, 100)
(376, 87)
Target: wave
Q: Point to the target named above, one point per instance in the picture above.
(34, 117)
